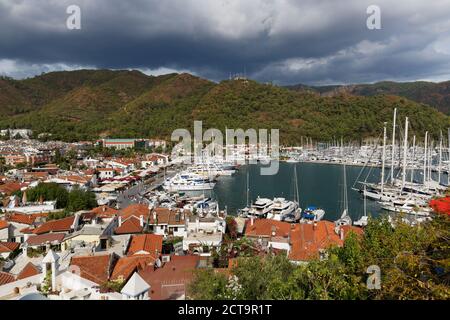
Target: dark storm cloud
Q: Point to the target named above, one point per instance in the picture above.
(285, 41)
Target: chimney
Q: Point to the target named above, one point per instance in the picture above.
(141, 220)
(120, 221)
(252, 220)
(341, 233)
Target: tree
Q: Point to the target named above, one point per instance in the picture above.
(413, 260)
(75, 200)
(208, 285)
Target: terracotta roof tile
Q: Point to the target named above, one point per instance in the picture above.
(171, 280)
(267, 228)
(22, 218)
(28, 271)
(94, 268)
(9, 187)
(168, 216)
(126, 266)
(130, 226)
(146, 244)
(3, 224)
(55, 225)
(136, 210)
(105, 211)
(6, 278)
(8, 246)
(45, 238)
(307, 240)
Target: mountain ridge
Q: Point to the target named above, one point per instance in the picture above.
(434, 94)
(87, 104)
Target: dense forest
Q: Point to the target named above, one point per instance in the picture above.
(89, 104)
(436, 95)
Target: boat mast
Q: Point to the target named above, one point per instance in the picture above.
(448, 159)
(345, 191)
(383, 161)
(365, 202)
(405, 151)
(425, 155)
(440, 159)
(430, 159)
(248, 187)
(296, 185)
(393, 146)
(413, 159)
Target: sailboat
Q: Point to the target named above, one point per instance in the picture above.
(244, 212)
(295, 215)
(362, 222)
(345, 219)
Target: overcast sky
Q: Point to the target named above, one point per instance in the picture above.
(285, 41)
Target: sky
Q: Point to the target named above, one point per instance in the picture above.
(313, 42)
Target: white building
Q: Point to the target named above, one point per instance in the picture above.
(203, 232)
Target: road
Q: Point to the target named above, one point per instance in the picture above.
(135, 194)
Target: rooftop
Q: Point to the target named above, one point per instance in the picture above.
(94, 268)
(146, 244)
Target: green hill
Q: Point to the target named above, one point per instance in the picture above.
(88, 104)
(436, 95)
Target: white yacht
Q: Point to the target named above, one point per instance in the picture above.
(188, 181)
(281, 208)
(260, 208)
(203, 207)
(212, 170)
(406, 208)
(292, 160)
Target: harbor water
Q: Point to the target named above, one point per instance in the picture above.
(319, 185)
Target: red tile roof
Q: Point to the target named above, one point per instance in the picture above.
(3, 224)
(267, 228)
(94, 268)
(24, 218)
(168, 216)
(55, 225)
(26, 230)
(45, 238)
(170, 281)
(135, 210)
(307, 240)
(126, 266)
(8, 246)
(146, 244)
(105, 211)
(28, 271)
(6, 278)
(9, 187)
(130, 226)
